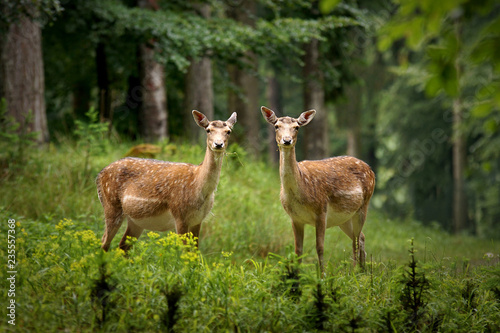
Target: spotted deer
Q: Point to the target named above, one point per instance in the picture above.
(324, 193)
(161, 196)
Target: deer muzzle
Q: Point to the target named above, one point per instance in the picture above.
(287, 140)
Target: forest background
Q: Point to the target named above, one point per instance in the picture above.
(411, 87)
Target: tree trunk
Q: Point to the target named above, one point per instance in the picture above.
(460, 209)
(22, 81)
(459, 163)
(152, 111)
(199, 93)
(81, 99)
(274, 98)
(245, 101)
(105, 113)
(316, 132)
(352, 116)
(153, 107)
(375, 79)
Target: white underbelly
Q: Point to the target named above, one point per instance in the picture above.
(335, 218)
(303, 215)
(162, 222)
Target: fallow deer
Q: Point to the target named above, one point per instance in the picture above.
(323, 193)
(161, 196)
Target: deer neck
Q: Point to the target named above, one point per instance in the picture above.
(289, 170)
(209, 171)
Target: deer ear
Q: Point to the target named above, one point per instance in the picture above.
(200, 119)
(232, 120)
(269, 115)
(306, 117)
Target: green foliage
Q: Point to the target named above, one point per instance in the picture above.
(493, 282)
(41, 10)
(181, 35)
(442, 30)
(60, 266)
(326, 6)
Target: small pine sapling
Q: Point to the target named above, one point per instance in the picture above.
(289, 276)
(90, 137)
(413, 296)
(100, 294)
(173, 296)
(320, 308)
(469, 295)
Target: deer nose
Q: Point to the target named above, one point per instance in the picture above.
(287, 140)
(218, 144)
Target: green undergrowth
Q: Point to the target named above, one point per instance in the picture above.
(65, 282)
(244, 278)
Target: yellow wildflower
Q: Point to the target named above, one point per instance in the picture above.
(189, 256)
(153, 235)
(64, 223)
(87, 236)
(75, 266)
(226, 255)
(119, 253)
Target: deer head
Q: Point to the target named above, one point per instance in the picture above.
(217, 131)
(287, 128)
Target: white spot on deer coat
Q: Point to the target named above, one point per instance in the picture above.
(162, 222)
(351, 193)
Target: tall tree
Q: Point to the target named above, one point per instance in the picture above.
(199, 93)
(460, 208)
(22, 81)
(316, 134)
(101, 60)
(153, 107)
(245, 98)
(275, 100)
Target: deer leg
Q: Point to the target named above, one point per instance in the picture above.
(181, 227)
(133, 230)
(362, 252)
(320, 238)
(353, 229)
(195, 230)
(298, 233)
(113, 221)
(358, 223)
(348, 229)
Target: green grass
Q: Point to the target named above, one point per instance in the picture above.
(244, 278)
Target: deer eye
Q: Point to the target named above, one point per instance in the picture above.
(296, 128)
(276, 126)
(208, 130)
(228, 132)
